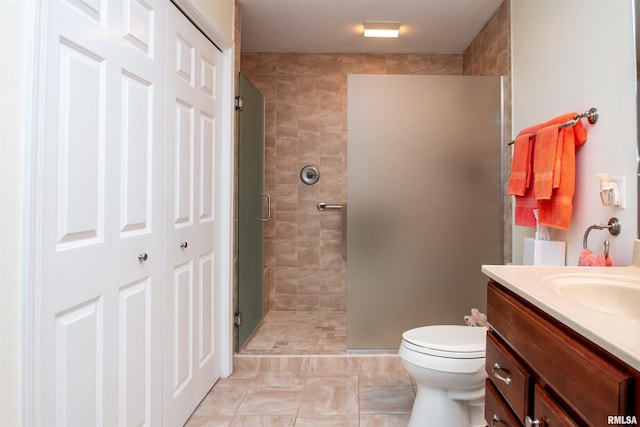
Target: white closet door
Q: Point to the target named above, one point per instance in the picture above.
(100, 346)
(191, 346)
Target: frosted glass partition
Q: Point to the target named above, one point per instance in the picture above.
(424, 196)
(251, 210)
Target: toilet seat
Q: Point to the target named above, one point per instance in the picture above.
(450, 341)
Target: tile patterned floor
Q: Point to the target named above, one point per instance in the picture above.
(299, 332)
(294, 372)
(292, 391)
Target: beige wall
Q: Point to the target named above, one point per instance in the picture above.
(223, 11)
(558, 70)
(218, 15)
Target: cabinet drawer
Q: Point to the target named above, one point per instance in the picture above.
(510, 377)
(548, 412)
(496, 411)
(591, 385)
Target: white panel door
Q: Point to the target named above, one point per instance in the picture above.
(102, 228)
(191, 346)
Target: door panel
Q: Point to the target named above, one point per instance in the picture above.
(138, 25)
(207, 309)
(93, 9)
(80, 364)
(135, 351)
(100, 335)
(207, 163)
(136, 155)
(81, 144)
(122, 228)
(250, 209)
(183, 153)
(182, 328)
(192, 360)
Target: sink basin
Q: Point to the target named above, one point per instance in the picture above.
(612, 294)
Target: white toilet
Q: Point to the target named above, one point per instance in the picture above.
(447, 362)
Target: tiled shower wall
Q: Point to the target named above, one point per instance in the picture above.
(490, 55)
(306, 124)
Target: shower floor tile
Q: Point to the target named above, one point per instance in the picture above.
(299, 332)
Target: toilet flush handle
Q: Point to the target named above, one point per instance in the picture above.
(495, 371)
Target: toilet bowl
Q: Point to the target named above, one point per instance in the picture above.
(447, 363)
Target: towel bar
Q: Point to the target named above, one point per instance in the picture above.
(591, 115)
(613, 226)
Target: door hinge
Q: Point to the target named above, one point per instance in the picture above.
(237, 319)
(239, 104)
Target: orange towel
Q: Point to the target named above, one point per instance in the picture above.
(520, 165)
(525, 205)
(557, 168)
(555, 212)
(544, 161)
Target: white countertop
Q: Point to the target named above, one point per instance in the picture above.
(618, 335)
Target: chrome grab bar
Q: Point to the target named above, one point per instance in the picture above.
(323, 206)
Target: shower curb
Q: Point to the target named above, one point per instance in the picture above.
(326, 362)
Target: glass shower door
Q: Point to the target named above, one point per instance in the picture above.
(251, 215)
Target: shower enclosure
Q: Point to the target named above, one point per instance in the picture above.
(424, 196)
(251, 211)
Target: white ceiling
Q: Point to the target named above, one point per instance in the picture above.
(335, 26)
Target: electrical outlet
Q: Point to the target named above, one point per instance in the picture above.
(620, 180)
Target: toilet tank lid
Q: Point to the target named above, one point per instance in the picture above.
(449, 338)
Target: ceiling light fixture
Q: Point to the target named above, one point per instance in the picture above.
(381, 29)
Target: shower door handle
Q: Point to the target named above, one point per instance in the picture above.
(268, 207)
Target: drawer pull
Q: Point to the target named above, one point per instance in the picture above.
(495, 420)
(528, 422)
(496, 369)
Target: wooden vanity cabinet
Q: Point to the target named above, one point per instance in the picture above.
(540, 369)
(510, 376)
(549, 411)
(497, 413)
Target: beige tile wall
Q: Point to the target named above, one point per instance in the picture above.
(490, 55)
(306, 123)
